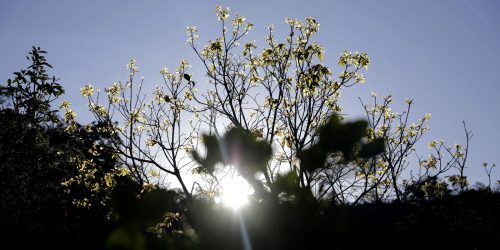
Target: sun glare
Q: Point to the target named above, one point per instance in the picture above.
(235, 191)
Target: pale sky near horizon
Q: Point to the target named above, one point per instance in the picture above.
(442, 54)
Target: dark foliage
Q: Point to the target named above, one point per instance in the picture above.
(36, 157)
(466, 221)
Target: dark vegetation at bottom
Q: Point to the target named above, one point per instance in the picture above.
(466, 221)
(469, 220)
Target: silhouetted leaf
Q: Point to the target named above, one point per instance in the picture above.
(313, 158)
(372, 148)
(286, 183)
(213, 155)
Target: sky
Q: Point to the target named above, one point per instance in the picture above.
(443, 54)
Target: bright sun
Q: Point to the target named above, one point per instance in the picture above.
(235, 191)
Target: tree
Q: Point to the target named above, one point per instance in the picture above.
(32, 90)
(53, 185)
(300, 96)
(283, 95)
(27, 137)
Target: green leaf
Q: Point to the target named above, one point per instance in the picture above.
(372, 148)
(313, 158)
(287, 183)
(213, 155)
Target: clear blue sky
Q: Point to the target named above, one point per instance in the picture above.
(443, 54)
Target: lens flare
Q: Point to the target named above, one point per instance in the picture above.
(235, 191)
